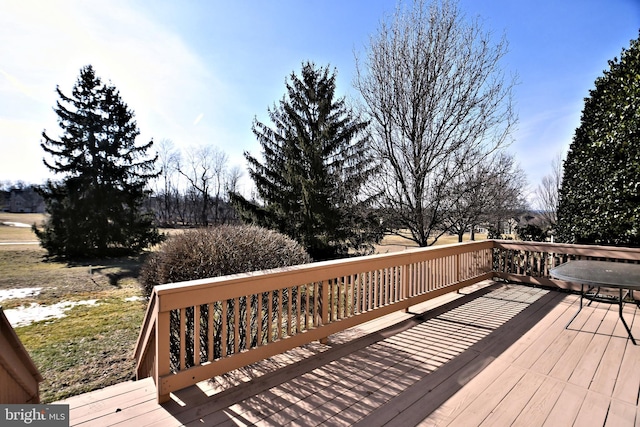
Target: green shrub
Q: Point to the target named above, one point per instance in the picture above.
(219, 251)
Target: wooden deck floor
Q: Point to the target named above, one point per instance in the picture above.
(497, 356)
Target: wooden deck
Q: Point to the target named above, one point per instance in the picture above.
(494, 355)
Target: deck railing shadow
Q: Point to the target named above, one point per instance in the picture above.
(354, 374)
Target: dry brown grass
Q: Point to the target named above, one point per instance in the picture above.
(10, 233)
(25, 218)
(91, 347)
(395, 243)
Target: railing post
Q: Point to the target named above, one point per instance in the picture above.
(163, 337)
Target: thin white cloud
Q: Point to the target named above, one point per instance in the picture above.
(17, 84)
(197, 120)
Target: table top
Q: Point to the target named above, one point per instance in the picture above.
(604, 273)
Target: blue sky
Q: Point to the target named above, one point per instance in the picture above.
(198, 72)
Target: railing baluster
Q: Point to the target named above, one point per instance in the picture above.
(249, 329)
(385, 286)
(259, 316)
(298, 309)
(270, 296)
(371, 282)
(405, 283)
(357, 289)
(340, 301)
(279, 310)
(196, 335)
(317, 315)
(236, 325)
(224, 340)
(210, 333)
(289, 312)
(183, 336)
(307, 308)
(324, 307)
(362, 289)
(375, 285)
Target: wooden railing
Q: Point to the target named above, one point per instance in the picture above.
(530, 262)
(199, 329)
(19, 377)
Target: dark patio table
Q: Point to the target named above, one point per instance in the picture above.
(596, 274)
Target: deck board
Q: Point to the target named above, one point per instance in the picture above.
(593, 411)
(567, 406)
(540, 405)
(607, 372)
(508, 410)
(499, 355)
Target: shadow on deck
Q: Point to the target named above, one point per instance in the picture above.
(497, 354)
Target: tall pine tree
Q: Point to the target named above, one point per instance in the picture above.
(600, 194)
(316, 164)
(96, 208)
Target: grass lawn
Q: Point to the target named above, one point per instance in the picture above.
(393, 243)
(18, 234)
(92, 346)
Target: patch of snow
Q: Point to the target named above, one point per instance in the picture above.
(18, 293)
(136, 298)
(23, 316)
(16, 224)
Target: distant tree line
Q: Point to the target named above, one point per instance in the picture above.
(193, 187)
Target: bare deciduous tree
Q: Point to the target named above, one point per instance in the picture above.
(166, 187)
(233, 179)
(205, 169)
(439, 102)
(546, 194)
(487, 193)
(505, 193)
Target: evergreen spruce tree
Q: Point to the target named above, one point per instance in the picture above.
(600, 194)
(316, 164)
(96, 208)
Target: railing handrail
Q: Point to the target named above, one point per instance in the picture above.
(147, 331)
(173, 295)
(595, 251)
